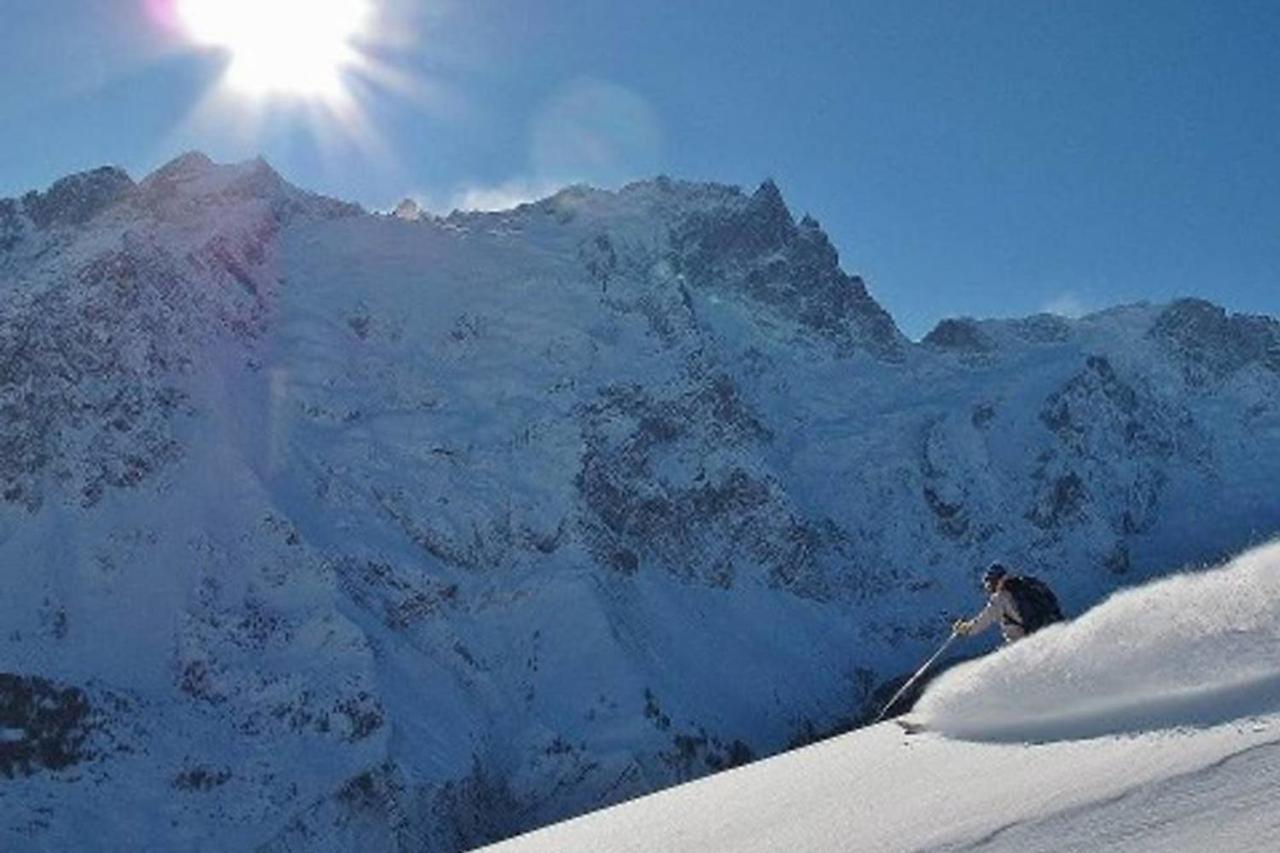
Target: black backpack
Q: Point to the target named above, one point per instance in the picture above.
(1036, 603)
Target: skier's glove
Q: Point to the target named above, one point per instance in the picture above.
(962, 627)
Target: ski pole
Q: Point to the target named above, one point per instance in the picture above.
(919, 672)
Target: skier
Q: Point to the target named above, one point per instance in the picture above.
(1022, 605)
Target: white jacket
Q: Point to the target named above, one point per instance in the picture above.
(1000, 607)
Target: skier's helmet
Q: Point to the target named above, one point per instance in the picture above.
(993, 575)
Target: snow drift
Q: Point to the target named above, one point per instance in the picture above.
(1192, 649)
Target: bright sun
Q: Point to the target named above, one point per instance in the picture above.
(300, 48)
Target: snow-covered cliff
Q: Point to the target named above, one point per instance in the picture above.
(338, 530)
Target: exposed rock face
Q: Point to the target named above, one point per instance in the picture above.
(43, 726)
(357, 535)
(963, 335)
(180, 188)
(10, 224)
(788, 269)
(87, 382)
(704, 521)
(76, 199)
(1211, 344)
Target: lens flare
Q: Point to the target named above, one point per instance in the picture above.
(299, 48)
(302, 69)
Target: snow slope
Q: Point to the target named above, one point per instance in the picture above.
(1189, 649)
(1183, 672)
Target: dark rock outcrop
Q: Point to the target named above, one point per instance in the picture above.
(759, 251)
(958, 335)
(76, 199)
(43, 726)
(1212, 344)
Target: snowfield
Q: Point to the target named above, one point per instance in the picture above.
(1151, 723)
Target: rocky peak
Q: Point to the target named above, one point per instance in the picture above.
(770, 214)
(1042, 328)
(76, 199)
(1211, 343)
(757, 248)
(184, 167)
(194, 173)
(812, 242)
(768, 196)
(193, 176)
(257, 179)
(962, 334)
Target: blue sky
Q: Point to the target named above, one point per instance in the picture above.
(976, 158)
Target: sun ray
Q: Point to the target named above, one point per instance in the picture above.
(319, 70)
(287, 48)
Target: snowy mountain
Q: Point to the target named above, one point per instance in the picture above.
(338, 530)
(1152, 723)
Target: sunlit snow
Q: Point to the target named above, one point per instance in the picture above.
(1192, 649)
